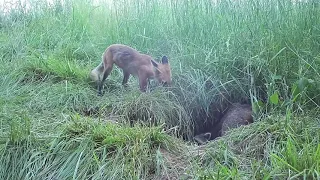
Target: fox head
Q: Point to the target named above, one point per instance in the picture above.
(202, 138)
(163, 71)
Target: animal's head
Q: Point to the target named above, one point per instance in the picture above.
(202, 138)
(163, 71)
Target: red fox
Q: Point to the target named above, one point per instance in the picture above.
(131, 62)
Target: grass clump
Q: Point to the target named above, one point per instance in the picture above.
(114, 135)
(91, 149)
(155, 108)
(65, 96)
(38, 69)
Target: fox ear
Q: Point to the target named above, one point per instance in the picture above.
(155, 64)
(207, 135)
(164, 60)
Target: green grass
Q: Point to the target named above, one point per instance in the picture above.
(264, 52)
(85, 148)
(266, 150)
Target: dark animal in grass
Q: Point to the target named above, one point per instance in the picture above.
(236, 116)
(202, 138)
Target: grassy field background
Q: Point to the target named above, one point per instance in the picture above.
(264, 52)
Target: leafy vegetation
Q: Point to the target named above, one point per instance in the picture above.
(263, 52)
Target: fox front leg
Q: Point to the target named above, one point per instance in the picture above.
(143, 84)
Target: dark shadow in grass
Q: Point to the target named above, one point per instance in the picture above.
(109, 86)
(235, 116)
(90, 111)
(35, 75)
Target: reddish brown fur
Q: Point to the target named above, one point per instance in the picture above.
(131, 62)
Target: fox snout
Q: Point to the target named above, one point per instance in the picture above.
(165, 79)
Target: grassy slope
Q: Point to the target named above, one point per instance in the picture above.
(257, 50)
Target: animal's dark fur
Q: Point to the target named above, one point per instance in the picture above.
(237, 115)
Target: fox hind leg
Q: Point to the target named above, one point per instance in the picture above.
(126, 76)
